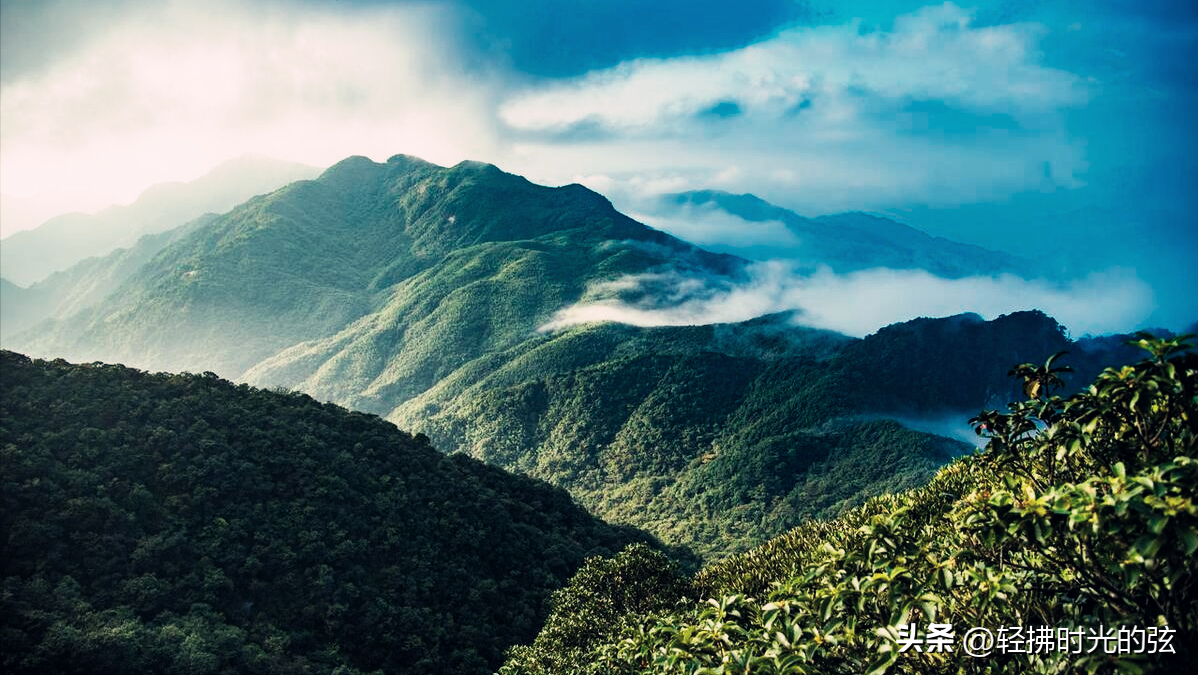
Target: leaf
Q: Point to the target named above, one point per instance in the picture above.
(1189, 538)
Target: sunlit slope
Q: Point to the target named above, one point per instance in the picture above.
(30, 256)
(395, 244)
(82, 285)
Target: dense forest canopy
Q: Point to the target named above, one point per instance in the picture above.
(1081, 515)
(184, 524)
(719, 437)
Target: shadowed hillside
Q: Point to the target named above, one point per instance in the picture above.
(181, 523)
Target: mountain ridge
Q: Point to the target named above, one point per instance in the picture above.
(29, 256)
(358, 230)
(181, 523)
(856, 240)
(420, 293)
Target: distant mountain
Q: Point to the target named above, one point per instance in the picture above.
(848, 242)
(82, 285)
(21, 212)
(30, 256)
(418, 292)
(180, 523)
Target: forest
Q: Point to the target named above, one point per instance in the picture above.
(1079, 516)
(183, 524)
(180, 523)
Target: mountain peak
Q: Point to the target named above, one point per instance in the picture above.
(341, 241)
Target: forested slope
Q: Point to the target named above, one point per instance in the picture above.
(719, 437)
(181, 523)
(368, 283)
(1074, 535)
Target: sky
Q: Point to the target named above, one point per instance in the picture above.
(1057, 130)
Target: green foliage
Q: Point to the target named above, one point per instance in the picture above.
(183, 524)
(604, 597)
(720, 437)
(1080, 514)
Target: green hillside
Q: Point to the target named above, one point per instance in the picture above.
(30, 256)
(369, 260)
(719, 437)
(181, 523)
(418, 292)
(83, 285)
(1080, 517)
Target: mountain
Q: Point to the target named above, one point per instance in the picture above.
(22, 212)
(848, 242)
(419, 293)
(30, 256)
(368, 263)
(1079, 514)
(717, 437)
(82, 285)
(181, 523)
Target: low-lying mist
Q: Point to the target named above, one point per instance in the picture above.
(953, 425)
(858, 303)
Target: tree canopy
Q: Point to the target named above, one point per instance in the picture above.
(1081, 515)
(184, 524)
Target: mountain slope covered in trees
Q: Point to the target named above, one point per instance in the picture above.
(82, 285)
(1073, 540)
(377, 262)
(184, 524)
(719, 437)
(420, 293)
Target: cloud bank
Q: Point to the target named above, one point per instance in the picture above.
(831, 117)
(167, 91)
(933, 53)
(858, 303)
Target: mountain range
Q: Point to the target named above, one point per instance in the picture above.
(179, 522)
(846, 242)
(421, 293)
(29, 256)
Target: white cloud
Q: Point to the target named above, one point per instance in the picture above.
(166, 91)
(931, 54)
(169, 91)
(862, 302)
(825, 122)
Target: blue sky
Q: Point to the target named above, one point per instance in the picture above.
(1058, 129)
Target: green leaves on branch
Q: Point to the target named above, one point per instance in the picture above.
(1081, 513)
